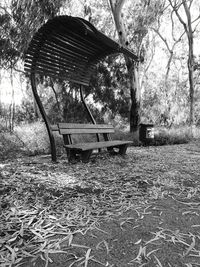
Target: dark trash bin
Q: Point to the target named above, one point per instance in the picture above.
(146, 133)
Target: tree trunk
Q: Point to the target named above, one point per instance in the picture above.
(190, 64)
(135, 98)
(132, 67)
(191, 81)
(12, 105)
(189, 31)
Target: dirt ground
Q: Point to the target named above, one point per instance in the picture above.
(139, 210)
(165, 233)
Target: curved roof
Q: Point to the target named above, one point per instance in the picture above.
(69, 47)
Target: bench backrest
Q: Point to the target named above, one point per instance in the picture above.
(79, 128)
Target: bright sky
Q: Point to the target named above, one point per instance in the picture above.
(6, 88)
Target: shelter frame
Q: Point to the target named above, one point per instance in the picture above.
(67, 47)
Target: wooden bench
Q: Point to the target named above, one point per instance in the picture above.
(84, 150)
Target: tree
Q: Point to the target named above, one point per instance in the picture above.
(144, 15)
(170, 41)
(132, 67)
(183, 8)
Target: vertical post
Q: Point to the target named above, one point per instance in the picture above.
(44, 116)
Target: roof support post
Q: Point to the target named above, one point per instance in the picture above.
(44, 116)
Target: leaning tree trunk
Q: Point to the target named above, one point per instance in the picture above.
(132, 67)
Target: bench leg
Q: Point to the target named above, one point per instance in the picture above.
(71, 154)
(122, 149)
(85, 155)
(111, 151)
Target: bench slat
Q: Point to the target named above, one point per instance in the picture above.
(78, 128)
(63, 125)
(97, 145)
(85, 131)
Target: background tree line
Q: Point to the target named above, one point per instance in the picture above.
(163, 89)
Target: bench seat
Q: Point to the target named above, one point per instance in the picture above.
(97, 145)
(84, 150)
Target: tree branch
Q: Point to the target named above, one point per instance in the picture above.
(6, 11)
(175, 8)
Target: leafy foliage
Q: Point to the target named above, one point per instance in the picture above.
(109, 87)
(145, 15)
(18, 23)
(108, 96)
(9, 53)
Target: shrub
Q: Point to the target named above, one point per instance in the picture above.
(125, 135)
(164, 136)
(34, 137)
(9, 146)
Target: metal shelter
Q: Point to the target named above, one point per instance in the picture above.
(68, 48)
